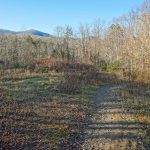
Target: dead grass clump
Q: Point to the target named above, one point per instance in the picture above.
(90, 77)
(44, 65)
(65, 66)
(71, 84)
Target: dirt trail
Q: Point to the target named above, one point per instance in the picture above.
(111, 128)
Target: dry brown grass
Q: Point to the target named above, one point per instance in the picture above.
(40, 126)
(59, 65)
(51, 116)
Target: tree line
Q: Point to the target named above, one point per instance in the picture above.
(124, 43)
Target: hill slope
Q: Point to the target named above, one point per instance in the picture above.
(31, 32)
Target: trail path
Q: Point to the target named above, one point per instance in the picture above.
(111, 128)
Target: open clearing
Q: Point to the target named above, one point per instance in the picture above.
(37, 113)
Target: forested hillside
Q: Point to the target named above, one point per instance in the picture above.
(125, 43)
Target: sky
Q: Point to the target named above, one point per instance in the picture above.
(45, 15)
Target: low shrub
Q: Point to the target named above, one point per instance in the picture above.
(114, 66)
(102, 65)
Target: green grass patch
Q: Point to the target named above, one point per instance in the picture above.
(47, 108)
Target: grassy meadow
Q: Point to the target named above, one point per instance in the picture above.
(38, 112)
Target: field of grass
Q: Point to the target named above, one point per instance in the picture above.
(51, 110)
(36, 114)
(137, 108)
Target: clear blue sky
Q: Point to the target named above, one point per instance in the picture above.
(45, 15)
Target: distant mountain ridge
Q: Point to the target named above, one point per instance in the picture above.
(31, 32)
(3, 31)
